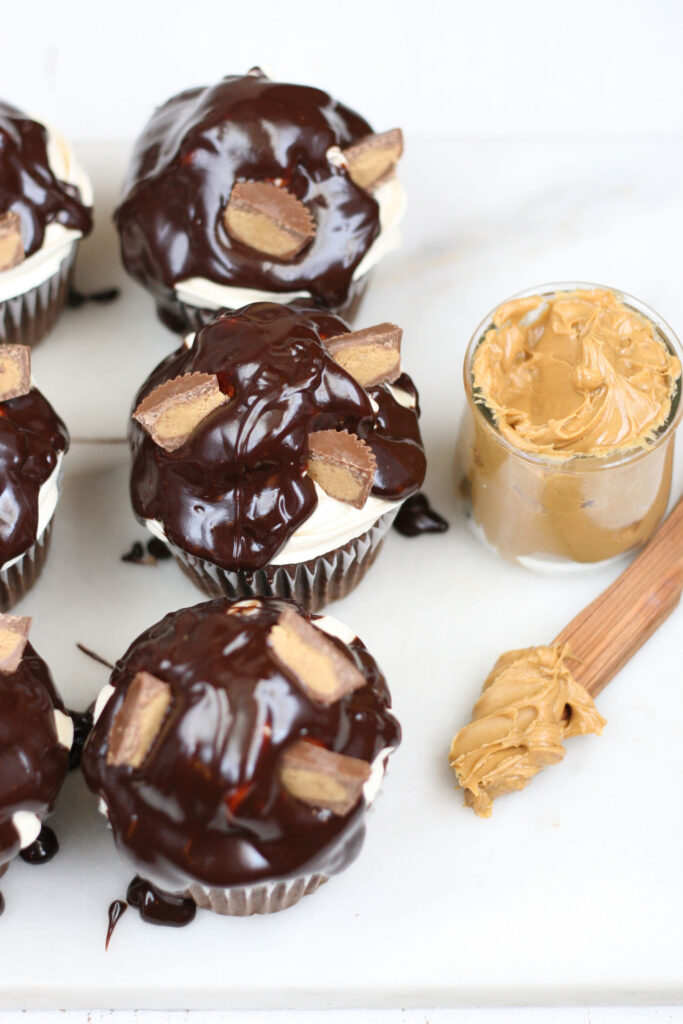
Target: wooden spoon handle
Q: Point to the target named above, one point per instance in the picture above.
(606, 634)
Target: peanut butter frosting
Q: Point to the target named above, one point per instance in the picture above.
(529, 704)
(575, 373)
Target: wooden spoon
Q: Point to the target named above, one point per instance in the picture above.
(608, 632)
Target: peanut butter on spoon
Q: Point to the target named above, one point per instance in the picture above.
(534, 698)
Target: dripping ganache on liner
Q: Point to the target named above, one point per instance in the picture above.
(237, 489)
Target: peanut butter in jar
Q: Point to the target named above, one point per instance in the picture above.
(566, 444)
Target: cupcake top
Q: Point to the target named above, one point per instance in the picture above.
(261, 430)
(35, 737)
(33, 440)
(256, 185)
(240, 738)
(40, 185)
(575, 373)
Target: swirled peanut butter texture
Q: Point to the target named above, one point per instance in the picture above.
(529, 704)
(577, 373)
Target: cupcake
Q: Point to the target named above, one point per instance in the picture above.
(274, 449)
(33, 441)
(45, 210)
(235, 753)
(257, 190)
(35, 739)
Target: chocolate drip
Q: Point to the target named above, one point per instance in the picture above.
(417, 516)
(207, 803)
(82, 721)
(32, 762)
(28, 185)
(31, 437)
(237, 489)
(246, 128)
(103, 297)
(43, 849)
(157, 907)
(2, 904)
(116, 911)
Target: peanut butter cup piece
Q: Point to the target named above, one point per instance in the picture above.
(138, 720)
(312, 660)
(15, 371)
(11, 245)
(173, 411)
(268, 218)
(322, 778)
(373, 158)
(342, 464)
(14, 630)
(372, 356)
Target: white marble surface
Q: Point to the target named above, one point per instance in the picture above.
(571, 893)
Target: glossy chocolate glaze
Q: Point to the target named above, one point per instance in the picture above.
(27, 184)
(33, 765)
(116, 911)
(246, 128)
(157, 907)
(45, 847)
(236, 490)
(417, 516)
(31, 436)
(207, 804)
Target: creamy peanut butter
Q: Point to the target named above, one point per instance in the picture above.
(574, 373)
(566, 446)
(529, 704)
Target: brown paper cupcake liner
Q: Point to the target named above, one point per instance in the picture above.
(182, 317)
(20, 577)
(26, 319)
(266, 898)
(313, 584)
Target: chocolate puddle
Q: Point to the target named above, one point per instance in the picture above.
(417, 516)
(157, 907)
(103, 297)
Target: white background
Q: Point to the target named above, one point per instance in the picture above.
(474, 68)
(587, 99)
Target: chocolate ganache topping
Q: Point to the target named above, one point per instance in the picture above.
(28, 185)
(31, 438)
(209, 803)
(33, 763)
(200, 144)
(238, 488)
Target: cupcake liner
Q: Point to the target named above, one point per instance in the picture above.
(16, 580)
(26, 319)
(313, 584)
(182, 317)
(265, 898)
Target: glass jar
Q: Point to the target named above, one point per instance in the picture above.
(553, 513)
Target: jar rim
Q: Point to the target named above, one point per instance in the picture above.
(579, 461)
